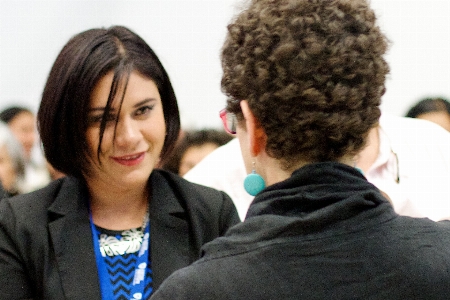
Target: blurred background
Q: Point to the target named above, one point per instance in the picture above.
(187, 36)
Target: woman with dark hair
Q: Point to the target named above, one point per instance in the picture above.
(436, 110)
(114, 227)
(304, 80)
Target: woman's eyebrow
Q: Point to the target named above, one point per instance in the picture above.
(144, 101)
(112, 109)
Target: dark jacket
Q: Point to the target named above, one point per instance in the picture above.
(46, 246)
(3, 193)
(324, 233)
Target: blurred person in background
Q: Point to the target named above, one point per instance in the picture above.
(224, 170)
(192, 147)
(22, 123)
(436, 110)
(12, 163)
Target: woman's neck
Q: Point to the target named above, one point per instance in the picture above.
(367, 157)
(118, 209)
(273, 171)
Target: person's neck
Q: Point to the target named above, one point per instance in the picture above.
(274, 172)
(367, 157)
(118, 209)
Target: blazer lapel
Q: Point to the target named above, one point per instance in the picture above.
(171, 248)
(169, 231)
(71, 238)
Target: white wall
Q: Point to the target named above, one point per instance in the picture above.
(187, 35)
(419, 31)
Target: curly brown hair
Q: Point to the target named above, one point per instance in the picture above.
(312, 71)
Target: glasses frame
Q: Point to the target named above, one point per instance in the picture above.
(397, 168)
(228, 118)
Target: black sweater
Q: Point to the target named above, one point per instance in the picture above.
(324, 233)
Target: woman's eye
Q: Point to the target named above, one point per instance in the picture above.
(98, 119)
(144, 110)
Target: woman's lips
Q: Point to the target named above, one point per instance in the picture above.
(129, 160)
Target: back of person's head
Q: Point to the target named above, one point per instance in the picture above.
(12, 161)
(312, 71)
(83, 61)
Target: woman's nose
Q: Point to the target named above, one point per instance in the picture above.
(127, 131)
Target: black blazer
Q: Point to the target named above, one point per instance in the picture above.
(46, 246)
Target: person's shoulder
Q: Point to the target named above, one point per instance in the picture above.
(184, 284)
(444, 225)
(422, 230)
(416, 127)
(222, 159)
(33, 202)
(220, 168)
(204, 202)
(415, 136)
(232, 147)
(196, 281)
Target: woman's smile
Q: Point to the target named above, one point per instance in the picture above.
(129, 160)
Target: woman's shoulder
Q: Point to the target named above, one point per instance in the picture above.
(30, 205)
(204, 204)
(201, 199)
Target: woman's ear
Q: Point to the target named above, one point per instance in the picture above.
(256, 136)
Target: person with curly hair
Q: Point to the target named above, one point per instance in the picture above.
(304, 80)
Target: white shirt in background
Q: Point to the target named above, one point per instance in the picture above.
(420, 150)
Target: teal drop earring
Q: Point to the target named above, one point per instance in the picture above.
(254, 183)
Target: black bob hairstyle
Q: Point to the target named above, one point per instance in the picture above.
(83, 61)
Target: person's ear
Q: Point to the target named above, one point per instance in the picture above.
(256, 136)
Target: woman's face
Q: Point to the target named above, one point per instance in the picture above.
(129, 154)
(8, 174)
(23, 127)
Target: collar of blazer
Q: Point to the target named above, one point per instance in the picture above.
(71, 236)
